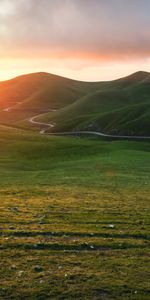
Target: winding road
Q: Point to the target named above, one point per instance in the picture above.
(51, 125)
(75, 133)
(32, 121)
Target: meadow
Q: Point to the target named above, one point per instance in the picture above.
(74, 217)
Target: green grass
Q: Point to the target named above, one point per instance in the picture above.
(38, 92)
(117, 107)
(59, 199)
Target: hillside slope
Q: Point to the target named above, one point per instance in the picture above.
(27, 95)
(41, 90)
(120, 106)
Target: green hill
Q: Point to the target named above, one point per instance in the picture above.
(42, 91)
(36, 93)
(120, 106)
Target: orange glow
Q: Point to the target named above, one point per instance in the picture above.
(78, 65)
(74, 39)
(73, 68)
(103, 55)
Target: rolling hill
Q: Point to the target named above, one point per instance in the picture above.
(42, 91)
(35, 93)
(116, 107)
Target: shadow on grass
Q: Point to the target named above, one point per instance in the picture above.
(72, 247)
(78, 234)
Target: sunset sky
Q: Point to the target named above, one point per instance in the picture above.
(83, 39)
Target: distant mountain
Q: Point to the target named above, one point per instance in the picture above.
(120, 106)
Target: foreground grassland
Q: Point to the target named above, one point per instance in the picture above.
(74, 218)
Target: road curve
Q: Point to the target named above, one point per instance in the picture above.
(84, 132)
(49, 125)
(96, 133)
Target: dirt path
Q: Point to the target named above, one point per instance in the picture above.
(83, 132)
(32, 121)
(51, 125)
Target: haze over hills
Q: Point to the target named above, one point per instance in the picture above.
(36, 87)
(116, 107)
(36, 93)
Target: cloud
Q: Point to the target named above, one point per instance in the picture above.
(98, 29)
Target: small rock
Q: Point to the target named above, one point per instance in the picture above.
(41, 281)
(38, 268)
(92, 247)
(60, 267)
(111, 225)
(20, 273)
(39, 245)
(41, 222)
(11, 227)
(13, 267)
(15, 209)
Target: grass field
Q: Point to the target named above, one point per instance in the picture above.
(74, 217)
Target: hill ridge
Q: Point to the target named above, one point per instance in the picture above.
(79, 104)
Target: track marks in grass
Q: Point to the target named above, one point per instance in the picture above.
(76, 235)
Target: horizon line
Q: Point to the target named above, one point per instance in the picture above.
(71, 78)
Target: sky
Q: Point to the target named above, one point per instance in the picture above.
(89, 40)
